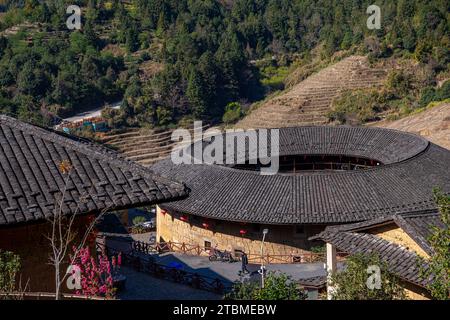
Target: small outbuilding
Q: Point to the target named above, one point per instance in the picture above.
(398, 240)
(43, 172)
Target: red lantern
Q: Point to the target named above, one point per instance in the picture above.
(184, 218)
(163, 212)
(242, 231)
(205, 225)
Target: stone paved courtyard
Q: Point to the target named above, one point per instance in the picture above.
(229, 272)
(140, 286)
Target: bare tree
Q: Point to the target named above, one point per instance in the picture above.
(62, 235)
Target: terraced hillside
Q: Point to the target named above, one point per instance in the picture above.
(308, 102)
(433, 124)
(142, 145)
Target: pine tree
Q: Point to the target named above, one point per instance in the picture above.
(132, 38)
(208, 71)
(194, 93)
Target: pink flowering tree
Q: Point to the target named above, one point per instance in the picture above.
(96, 274)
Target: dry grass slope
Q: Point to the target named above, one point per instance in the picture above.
(308, 102)
(433, 124)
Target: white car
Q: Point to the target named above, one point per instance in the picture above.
(149, 224)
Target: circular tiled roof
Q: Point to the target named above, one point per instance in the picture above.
(412, 168)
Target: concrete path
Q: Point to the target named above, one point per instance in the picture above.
(96, 112)
(140, 286)
(229, 272)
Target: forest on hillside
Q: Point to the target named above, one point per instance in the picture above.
(214, 55)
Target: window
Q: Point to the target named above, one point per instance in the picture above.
(207, 244)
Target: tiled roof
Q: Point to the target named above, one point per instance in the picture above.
(412, 168)
(353, 238)
(400, 261)
(419, 226)
(313, 282)
(31, 183)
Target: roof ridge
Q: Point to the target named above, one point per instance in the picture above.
(426, 213)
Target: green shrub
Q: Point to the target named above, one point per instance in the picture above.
(233, 112)
(430, 94)
(164, 116)
(358, 106)
(351, 283)
(423, 52)
(427, 95)
(318, 249)
(439, 263)
(9, 268)
(444, 91)
(139, 220)
(399, 83)
(277, 286)
(273, 77)
(137, 227)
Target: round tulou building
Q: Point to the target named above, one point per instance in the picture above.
(326, 176)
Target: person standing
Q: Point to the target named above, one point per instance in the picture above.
(244, 260)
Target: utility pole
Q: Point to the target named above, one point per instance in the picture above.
(265, 231)
(331, 268)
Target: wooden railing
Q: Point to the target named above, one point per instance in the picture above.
(306, 257)
(149, 266)
(161, 247)
(194, 249)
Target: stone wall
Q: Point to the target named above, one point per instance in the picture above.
(281, 240)
(393, 233)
